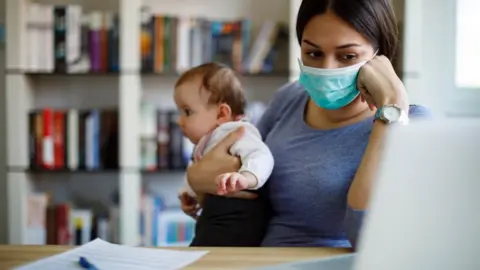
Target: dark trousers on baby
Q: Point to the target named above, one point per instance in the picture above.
(231, 222)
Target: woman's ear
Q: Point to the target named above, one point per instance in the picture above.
(224, 113)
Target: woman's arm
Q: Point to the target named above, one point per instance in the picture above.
(361, 188)
(379, 86)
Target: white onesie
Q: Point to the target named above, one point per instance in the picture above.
(255, 155)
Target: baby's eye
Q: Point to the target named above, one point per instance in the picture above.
(187, 112)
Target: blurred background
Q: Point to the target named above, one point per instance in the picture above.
(103, 95)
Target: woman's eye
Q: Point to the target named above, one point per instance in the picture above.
(349, 57)
(314, 54)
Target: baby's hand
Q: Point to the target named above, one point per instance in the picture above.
(231, 182)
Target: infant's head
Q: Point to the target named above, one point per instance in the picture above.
(207, 96)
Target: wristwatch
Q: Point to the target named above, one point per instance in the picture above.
(391, 114)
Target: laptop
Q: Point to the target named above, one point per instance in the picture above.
(425, 209)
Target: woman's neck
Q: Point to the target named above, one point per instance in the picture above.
(320, 118)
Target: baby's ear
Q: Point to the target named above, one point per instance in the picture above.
(224, 113)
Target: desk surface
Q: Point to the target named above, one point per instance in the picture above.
(217, 258)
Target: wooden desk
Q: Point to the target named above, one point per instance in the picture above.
(217, 258)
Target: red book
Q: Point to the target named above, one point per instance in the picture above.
(47, 140)
(59, 143)
(63, 215)
(181, 232)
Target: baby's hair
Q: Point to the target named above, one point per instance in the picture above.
(222, 84)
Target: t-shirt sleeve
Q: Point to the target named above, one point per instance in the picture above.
(419, 112)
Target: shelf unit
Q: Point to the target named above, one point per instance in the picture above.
(19, 102)
(20, 97)
(160, 75)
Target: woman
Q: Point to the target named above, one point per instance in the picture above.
(326, 130)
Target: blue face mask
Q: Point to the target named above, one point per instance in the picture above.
(330, 89)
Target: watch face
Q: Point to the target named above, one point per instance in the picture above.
(392, 114)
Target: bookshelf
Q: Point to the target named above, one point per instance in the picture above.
(124, 89)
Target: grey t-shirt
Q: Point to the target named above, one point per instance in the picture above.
(312, 174)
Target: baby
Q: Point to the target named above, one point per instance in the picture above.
(211, 102)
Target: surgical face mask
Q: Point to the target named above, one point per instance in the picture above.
(330, 89)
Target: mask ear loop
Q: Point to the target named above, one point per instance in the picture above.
(374, 54)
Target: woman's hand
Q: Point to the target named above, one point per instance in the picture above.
(379, 85)
(189, 204)
(201, 175)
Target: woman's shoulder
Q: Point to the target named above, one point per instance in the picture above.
(287, 96)
(288, 91)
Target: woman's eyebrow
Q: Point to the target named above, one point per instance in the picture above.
(343, 46)
(308, 42)
(348, 45)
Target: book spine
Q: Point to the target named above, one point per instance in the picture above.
(32, 143)
(72, 138)
(60, 38)
(163, 140)
(96, 139)
(47, 142)
(59, 143)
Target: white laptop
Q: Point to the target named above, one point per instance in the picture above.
(425, 211)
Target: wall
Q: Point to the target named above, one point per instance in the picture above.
(430, 58)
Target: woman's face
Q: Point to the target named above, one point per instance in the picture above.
(329, 42)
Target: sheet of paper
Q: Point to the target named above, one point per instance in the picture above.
(105, 255)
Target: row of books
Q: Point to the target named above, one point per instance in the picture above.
(67, 224)
(63, 224)
(170, 43)
(162, 144)
(160, 226)
(66, 39)
(89, 140)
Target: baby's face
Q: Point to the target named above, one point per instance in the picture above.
(197, 117)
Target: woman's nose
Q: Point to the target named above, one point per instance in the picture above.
(329, 63)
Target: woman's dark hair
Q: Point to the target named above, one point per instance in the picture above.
(374, 19)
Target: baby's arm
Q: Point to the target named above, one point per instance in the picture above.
(257, 161)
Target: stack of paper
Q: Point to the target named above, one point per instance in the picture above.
(105, 255)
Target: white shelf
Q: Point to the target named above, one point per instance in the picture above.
(18, 101)
(125, 89)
